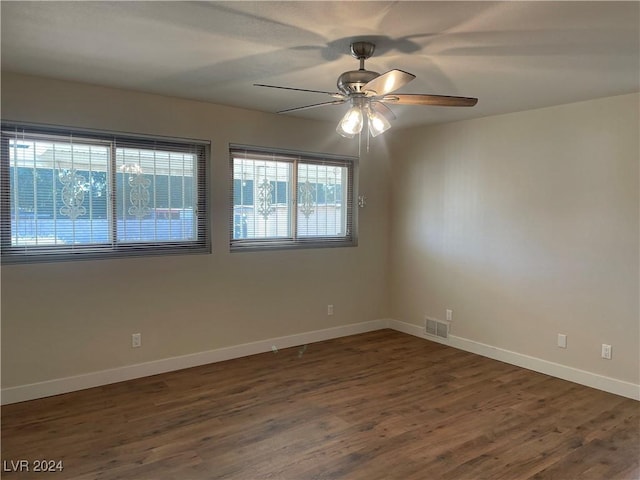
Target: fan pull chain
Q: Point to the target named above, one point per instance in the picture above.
(368, 135)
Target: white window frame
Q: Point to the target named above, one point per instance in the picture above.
(349, 239)
(113, 247)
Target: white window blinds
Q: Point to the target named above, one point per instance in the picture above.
(78, 194)
(290, 199)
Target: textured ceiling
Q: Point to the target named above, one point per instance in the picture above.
(511, 55)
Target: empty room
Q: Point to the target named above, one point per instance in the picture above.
(320, 240)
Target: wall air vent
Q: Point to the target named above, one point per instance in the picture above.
(436, 328)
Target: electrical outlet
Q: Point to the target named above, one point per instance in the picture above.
(449, 315)
(329, 309)
(606, 351)
(562, 340)
(136, 340)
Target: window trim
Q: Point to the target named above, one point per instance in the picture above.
(296, 242)
(113, 248)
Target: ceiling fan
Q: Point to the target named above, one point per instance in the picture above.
(369, 93)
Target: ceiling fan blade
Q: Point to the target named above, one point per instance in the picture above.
(387, 83)
(333, 94)
(435, 100)
(334, 102)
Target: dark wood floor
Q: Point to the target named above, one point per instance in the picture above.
(381, 405)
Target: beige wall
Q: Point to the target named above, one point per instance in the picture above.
(526, 226)
(64, 319)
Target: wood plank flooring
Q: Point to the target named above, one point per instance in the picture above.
(381, 405)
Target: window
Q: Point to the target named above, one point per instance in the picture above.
(287, 199)
(80, 194)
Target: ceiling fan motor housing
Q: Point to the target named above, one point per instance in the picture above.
(352, 82)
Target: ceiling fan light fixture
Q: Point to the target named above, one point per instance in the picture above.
(377, 123)
(351, 123)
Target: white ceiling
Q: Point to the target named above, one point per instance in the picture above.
(511, 55)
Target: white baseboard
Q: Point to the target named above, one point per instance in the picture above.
(607, 384)
(104, 377)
